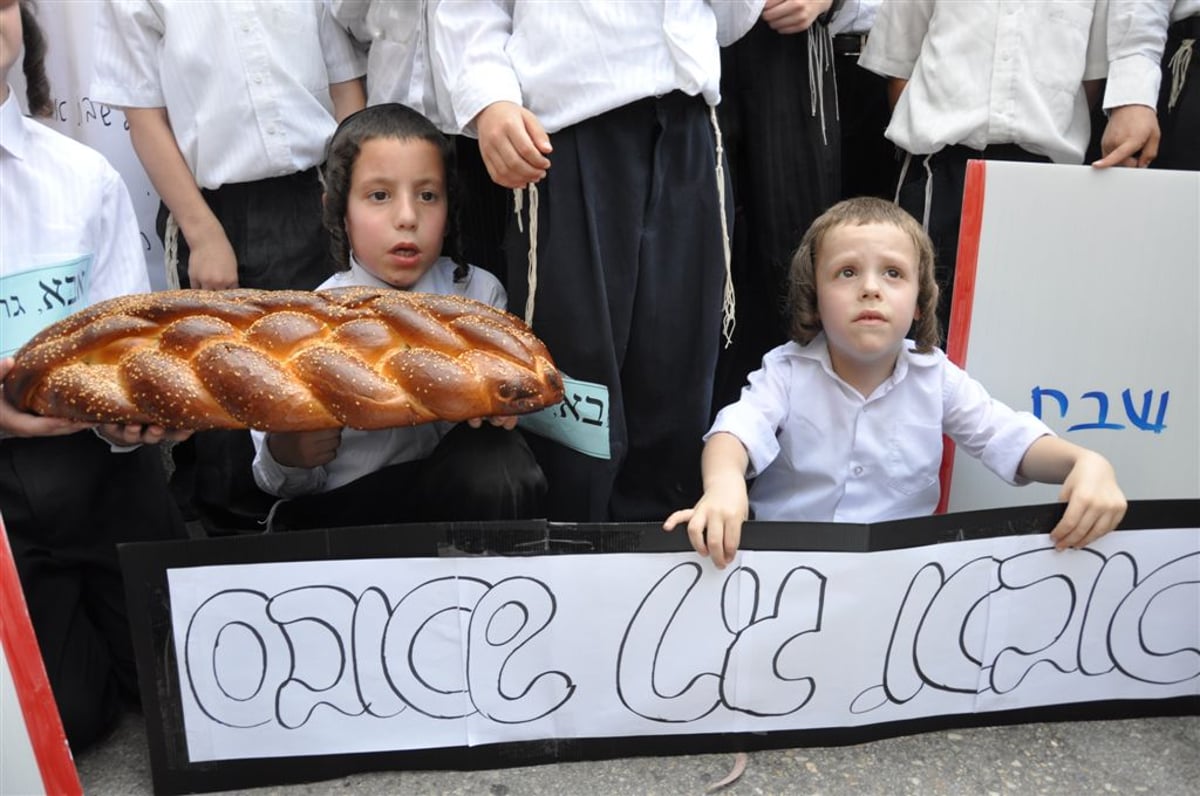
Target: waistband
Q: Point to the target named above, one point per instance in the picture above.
(849, 43)
(1186, 28)
(991, 152)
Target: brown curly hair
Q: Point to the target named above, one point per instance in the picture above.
(37, 87)
(802, 278)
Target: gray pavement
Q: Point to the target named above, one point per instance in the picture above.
(1150, 755)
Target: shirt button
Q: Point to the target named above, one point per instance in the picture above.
(258, 79)
(271, 130)
(245, 27)
(858, 470)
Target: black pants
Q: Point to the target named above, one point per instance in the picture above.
(784, 158)
(949, 170)
(630, 271)
(274, 226)
(1180, 147)
(869, 165)
(67, 502)
(483, 473)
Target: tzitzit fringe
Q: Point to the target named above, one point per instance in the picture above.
(171, 252)
(728, 301)
(820, 59)
(531, 274)
(1179, 64)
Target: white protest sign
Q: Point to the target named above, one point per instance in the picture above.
(1081, 307)
(348, 656)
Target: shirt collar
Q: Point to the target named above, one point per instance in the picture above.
(426, 284)
(818, 351)
(13, 135)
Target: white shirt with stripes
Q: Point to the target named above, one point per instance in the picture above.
(245, 84)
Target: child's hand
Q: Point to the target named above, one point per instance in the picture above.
(212, 264)
(513, 144)
(1095, 504)
(15, 423)
(127, 435)
(715, 524)
(793, 16)
(508, 423)
(305, 448)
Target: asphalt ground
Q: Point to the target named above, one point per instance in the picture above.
(1158, 755)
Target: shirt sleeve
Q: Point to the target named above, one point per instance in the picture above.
(1137, 35)
(897, 36)
(468, 53)
(986, 428)
(125, 70)
(344, 60)
(735, 18)
(756, 417)
(119, 268)
(280, 480)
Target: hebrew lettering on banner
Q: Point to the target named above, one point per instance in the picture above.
(344, 656)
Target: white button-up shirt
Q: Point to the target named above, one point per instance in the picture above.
(399, 66)
(245, 84)
(61, 201)
(1137, 34)
(571, 60)
(991, 72)
(820, 451)
(363, 452)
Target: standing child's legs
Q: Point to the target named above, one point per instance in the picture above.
(629, 281)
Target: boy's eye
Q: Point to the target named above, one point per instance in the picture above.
(429, 196)
(378, 196)
(894, 273)
(846, 272)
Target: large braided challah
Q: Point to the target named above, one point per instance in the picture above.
(284, 361)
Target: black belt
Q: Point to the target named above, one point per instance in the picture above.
(1186, 28)
(849, 43)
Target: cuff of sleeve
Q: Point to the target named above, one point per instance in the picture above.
(1132, 81)
(112, 446)
(280, 480)
(492, 87)
(887, 67)
(755, 434)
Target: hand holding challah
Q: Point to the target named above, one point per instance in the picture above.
(284, 361)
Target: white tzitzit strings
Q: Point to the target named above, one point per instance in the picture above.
(728, 301)
(531, 274)
(171, 252)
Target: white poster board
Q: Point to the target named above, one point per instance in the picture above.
(69, 28)
(1083, 308)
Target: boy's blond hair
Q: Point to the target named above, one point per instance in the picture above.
(802, 279)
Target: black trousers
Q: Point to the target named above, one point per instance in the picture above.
(1180, 147)
(785, 161)
(869, 164)
(629, 285)
(274, 226)
(67, 502)
(949, 170)
(483, 473)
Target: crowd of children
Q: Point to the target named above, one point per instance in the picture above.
(650, 170)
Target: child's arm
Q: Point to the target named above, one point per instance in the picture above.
(715, 524)
(1095, 504)
(304, 448)
(212, 264)
(348, 97)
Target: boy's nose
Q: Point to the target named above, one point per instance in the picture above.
(405, 216)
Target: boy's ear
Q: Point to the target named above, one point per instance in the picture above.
(324, 196)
